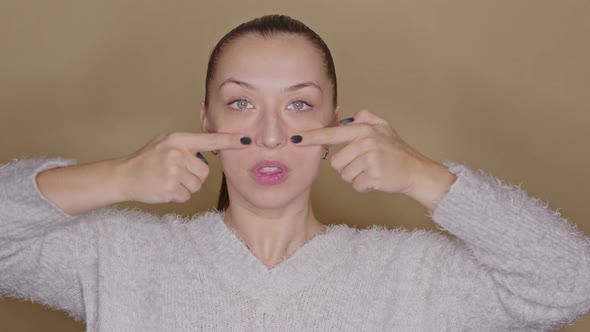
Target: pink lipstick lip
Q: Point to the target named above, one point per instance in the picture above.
(272, 177)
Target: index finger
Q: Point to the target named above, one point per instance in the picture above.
(199, 142)
(329, 135)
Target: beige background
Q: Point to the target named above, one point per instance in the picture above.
(498, 85)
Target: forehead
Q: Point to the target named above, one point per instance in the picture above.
(281, 59)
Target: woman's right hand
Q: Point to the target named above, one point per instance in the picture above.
(167, 168)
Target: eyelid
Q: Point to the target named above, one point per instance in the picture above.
(309, 106)
(235, 100)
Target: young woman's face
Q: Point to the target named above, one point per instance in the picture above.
(270, 89)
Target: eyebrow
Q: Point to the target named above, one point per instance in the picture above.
(287, 89)
(240, 83)
(301, 86)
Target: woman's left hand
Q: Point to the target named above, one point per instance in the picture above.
(376, 158)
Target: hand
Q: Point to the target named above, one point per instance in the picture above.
(376, 158)
(170, 167)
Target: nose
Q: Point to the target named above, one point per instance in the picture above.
(271, 132)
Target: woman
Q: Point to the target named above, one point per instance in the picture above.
(263, 261)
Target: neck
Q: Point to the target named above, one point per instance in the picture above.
(273, 234)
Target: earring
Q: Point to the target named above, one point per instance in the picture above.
(326, 152)
(215, 152)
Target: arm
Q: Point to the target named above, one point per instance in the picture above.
(164, 170)
(49, 256)
(81, 188)
(537, 266)
(40, 245)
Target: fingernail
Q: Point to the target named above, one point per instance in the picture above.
(347, 120)
(200, 156)
(246, 140)
(296, 139)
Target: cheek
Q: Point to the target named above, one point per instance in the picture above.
(230, 123)
(233, 161)
(309, 155)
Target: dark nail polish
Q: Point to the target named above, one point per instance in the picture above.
(246, 140)
(296, 139)
(347, 120)
(200, 156)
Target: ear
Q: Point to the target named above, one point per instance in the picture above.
(204, 121)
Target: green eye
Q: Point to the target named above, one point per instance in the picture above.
(242, 104)
(299, 105)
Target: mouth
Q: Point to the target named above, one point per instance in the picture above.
(269, 173)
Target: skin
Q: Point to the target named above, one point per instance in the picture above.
(269, 75)
(273, 221)
(258, 72)
(164, 170)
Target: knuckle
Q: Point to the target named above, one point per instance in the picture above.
(334, 163)
(174, 137)
(205, 173)
(362, 184)
(160, 145)
(373, 173)
(170, 187)
(200, 173)
(346, 176)
(363, 112)
(194, 185)
(173, 154)
(371, 157)
(172, 171)
(197, 186)
(181, 197)
(358, 186)
(169, 198)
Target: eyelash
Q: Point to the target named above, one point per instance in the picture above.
(309, 106)
(237, 100)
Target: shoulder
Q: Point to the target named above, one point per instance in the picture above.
(114, 222)
(379, 234)
(400, 243)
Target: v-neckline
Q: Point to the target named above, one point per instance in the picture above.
(243, 270)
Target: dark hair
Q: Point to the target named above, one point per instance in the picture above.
(267, 26)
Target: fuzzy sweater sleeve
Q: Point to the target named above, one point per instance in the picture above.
(41, 247)
(535, 264)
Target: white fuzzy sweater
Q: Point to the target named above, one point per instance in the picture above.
(514, 265)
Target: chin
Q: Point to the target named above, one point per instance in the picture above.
(270, 196)
(273, 197)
